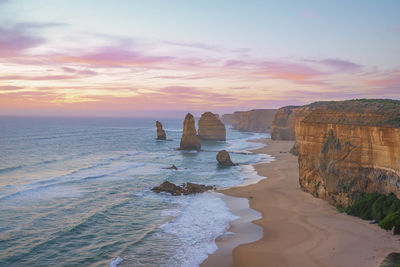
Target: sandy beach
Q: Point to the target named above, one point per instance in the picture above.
(299, 230)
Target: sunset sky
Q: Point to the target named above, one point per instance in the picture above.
(153, 58)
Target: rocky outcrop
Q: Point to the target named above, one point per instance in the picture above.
(284, 123)
(227, 118)
(348, 148)
(190, 140)
(224, 159)
(160, 132)
(257, 120)
(185, 189)
(173, 167)
(211, 128)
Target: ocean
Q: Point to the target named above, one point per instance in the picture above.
(76, 192)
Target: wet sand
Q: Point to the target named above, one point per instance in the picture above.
(299, 230)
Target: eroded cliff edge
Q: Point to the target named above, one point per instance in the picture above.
(348, 148)
(256, 120)
(284, 123)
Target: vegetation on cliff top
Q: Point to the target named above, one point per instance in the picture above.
(368, 112)
(384, 209)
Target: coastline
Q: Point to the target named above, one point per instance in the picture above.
(299, 230)
(241, 231)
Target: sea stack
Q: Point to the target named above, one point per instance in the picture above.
(160, 132)
(190, 140)
(224, 159)
(211, 128)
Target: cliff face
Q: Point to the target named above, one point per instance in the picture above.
(284, 123)
(227, 118)
(190, 140)
(211, 128)
(349, 148)
(257, 120)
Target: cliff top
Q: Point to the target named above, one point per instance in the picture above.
(264, 110)
(368, 112)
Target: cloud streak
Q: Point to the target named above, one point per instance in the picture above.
(338, 64)
(114, 56)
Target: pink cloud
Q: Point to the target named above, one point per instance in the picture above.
(16, 39)
(389, 78)
(115, 56)
(182, 93)
(84, 72)
(38, 78)
(294, 72)
(338, 64)
(69, 70)
(10, 88)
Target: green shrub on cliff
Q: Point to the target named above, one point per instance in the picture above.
(362, 207)
(390, 220)
(384, 209)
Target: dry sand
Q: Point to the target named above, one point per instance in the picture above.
(300, 230)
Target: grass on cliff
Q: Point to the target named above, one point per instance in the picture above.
(384, 209)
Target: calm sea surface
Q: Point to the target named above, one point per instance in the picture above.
(76, 192)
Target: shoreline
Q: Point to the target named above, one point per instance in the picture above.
(241, 231)
(299, 230)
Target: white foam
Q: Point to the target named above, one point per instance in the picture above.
(203, 219)
(172, 130)
(250, 175)
(115, 262)
(243, 145)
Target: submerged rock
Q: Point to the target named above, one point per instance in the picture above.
(224, 159)
(190, 140)
(185, 189)
(160, 132)
(211, 128)
(169, 188)
(173, 167)
(192, 188)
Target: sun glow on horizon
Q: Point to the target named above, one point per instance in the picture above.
(65, 66)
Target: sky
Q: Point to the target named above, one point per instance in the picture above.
(164, 58)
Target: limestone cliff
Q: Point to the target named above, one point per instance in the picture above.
(211, 128)
(190, 140)
(257, 120)
(227, 118)
(350, 147)
(160, 132)
(284, 122)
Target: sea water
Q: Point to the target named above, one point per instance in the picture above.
(76, 192)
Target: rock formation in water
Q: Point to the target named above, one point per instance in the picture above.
(211, 128)
(185, 189)
(257, 120)
(224, 159)
(347, 148)
(173, 167)
(284, 123)
(190, 140)
(227, 118)
(160, 132)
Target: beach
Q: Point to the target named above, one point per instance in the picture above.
(298, 229)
